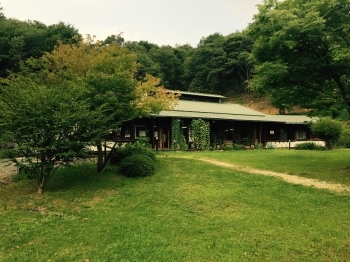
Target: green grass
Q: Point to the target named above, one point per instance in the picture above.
(331, 165)
(187, 211)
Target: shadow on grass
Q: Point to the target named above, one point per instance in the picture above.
(84, 177)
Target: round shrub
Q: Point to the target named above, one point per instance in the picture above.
(137, 166)
(124, 152)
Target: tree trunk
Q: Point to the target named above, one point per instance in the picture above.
(99, 158)
(343, 91)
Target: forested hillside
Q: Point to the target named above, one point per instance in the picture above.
(295, 54)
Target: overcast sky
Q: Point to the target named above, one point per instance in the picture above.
(163, 22)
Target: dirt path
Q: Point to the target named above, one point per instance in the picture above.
(337, 188)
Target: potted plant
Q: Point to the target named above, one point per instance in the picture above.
(216, 141)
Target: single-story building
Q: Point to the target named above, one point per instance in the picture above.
(229, 123)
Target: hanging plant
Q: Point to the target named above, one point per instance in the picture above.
(177, 136)
(201, 134)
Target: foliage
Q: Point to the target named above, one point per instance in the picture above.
(258, 146)
(165, 63)
(177, 135)
(137, 165)
(214, 138)
(227, 147)
(328, 130)
(201, 134)
(150, 98)
(108, 72)
(51, 126)
(301, 54)
(309, 146)
(20, 40)
(129, 150)
(220, 64)
(170, 66)
(344, 140)
(238, 147)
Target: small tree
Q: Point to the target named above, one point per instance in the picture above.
(49, 126)
(327, 129)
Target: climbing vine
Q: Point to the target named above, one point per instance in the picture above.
(177, 136)
(201, 134)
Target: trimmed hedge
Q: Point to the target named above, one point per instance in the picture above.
(309, 146)
(137, 165)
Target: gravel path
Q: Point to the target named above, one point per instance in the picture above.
(7, 170)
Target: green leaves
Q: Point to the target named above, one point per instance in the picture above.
(327, 129)
(201, 134)
(300, 53)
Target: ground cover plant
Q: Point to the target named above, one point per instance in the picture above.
(187, 211)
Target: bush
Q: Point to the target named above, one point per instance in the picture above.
(238, 147)
(233, 147)
(309, 146)
(258, 146)
(137, 166)
(130, 150)
(328, 130)
(227, 147)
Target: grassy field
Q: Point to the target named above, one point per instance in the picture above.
(332, 165)
(187, 211)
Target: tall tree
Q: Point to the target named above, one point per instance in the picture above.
(301, 53)
(220, 63)
(20, 40)
(170, 66)
(145, 63)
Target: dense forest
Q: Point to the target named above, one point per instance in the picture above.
(296, 53)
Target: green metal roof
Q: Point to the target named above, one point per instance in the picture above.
(195, 94)
(227, 111)
(217, 108)
(291, 119)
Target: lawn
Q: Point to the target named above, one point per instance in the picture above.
(187, 211)
(331, 165)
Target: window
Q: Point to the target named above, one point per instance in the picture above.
(301, 134)
(140, 131)
(283, 134)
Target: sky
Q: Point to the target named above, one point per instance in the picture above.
(162, 22)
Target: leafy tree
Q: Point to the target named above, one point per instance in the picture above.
(301, 53)
(150, 97)
(20, 40)
(328, 130)
(170, 66)
(162, 62)
(116, 39)
(111, 94)
(145, 63)
(50, 125)
(108, 71)
(220, 64)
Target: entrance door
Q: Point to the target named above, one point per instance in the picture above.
(164, 137)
